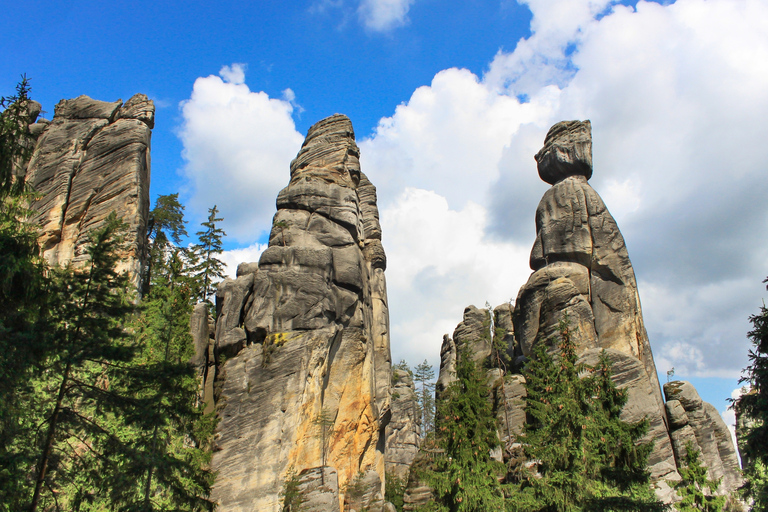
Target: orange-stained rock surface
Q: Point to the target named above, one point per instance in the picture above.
(302, 339)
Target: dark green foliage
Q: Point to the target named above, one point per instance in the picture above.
(695, 489)
(167, 467)
(15, 142)
(209, 269)
(588, 459)
(462, 473)
(394, 490)
(88, 307)
(423, 375)
(165, 230)
(752, 409)
(291, 497)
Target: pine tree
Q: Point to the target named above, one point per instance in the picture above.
(695, 489)
(586, 458)
(425, 394)
(210, 269)
(165, 228)
(462, 473)
(90, 308)
(23, 295)
(753, 406)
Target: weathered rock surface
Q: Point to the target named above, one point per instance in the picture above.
(305, 335)
(91, 160)
(582, 270)
(402, 433)
(319, 490)
(629, 373)
(706, 430)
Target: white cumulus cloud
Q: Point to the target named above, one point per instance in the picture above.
(237, 147)
(384, 15)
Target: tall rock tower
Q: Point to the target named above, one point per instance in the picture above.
(91, 160)
(302, 339)
(581, 269)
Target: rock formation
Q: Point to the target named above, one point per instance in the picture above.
(91, 160)
(402, 433)
(693, 420)
(582, 270)
(302, 337)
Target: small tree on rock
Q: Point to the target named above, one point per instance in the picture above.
(210, 269)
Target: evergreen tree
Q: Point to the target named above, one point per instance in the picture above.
(462, 473)
(586, 457)
(753, 406)
(425, 393)
(23, 295)
(695, 489)
(89, 307)
(210, 269)
(167, 468)
(165, 228)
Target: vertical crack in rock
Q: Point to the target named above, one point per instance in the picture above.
(91, 160)
(313, 323)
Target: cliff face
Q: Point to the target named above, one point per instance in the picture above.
(302, 338)
(91, 160)
(582, 270)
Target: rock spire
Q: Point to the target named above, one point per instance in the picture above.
(91, 160)
(302, 339)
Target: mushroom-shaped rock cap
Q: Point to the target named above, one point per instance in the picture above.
(567, 152)
(329, 148)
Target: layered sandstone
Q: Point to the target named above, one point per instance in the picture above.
(582, 272)
(302, 338)
(90, 160)
(403, 431)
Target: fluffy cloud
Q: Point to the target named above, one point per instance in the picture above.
(384, 15)
(439, 261)
(675, 93)
(237, 146)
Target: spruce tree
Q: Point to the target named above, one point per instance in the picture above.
(462, 474)
(753, 407)
(23, 295)
(167, 430)
(90, 308)
(165, 229)
(585, 457)
(695, 489)
(425, 393)
(210, 269)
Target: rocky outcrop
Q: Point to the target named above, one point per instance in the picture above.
(403, 432)
(302, 338)
(697, 422)
(91, 160)
(582, 270)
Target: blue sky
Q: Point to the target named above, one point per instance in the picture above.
(450, 100)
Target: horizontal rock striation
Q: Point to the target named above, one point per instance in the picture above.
(582, 270)
(302, 337)
(693, 420)
(91, 160)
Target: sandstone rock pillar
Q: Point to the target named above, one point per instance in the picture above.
(302, 339)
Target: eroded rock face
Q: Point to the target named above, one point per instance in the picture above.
(698, 422)
(91, 160)
(305, 335)
(402, 433)
(582, 270)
